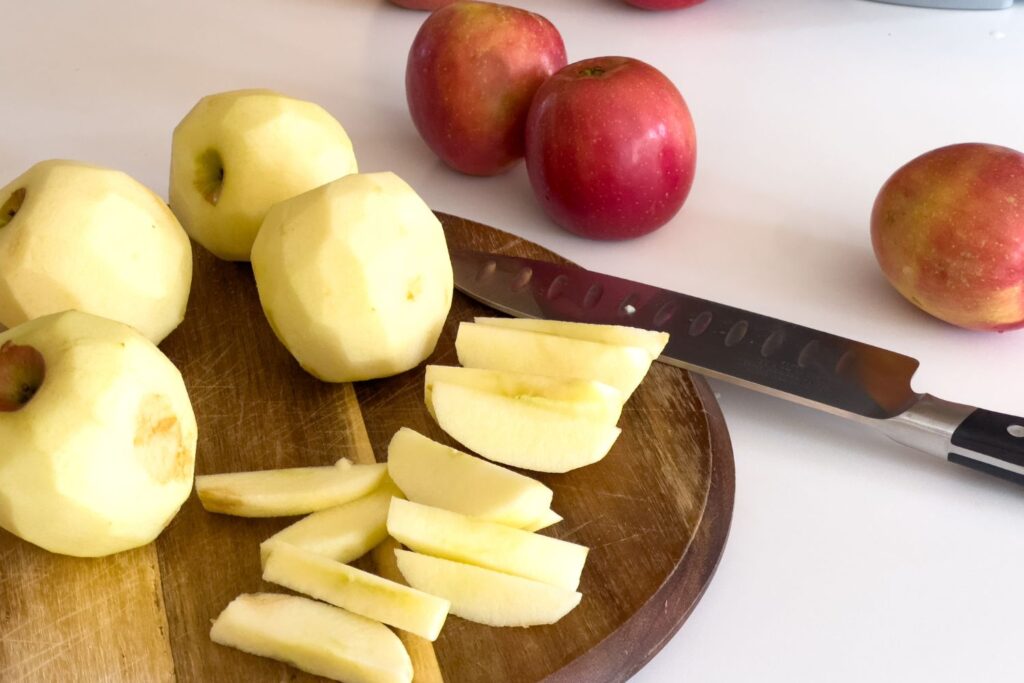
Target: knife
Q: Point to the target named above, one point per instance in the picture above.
(857, 381)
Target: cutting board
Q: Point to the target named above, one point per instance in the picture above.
(655, 513)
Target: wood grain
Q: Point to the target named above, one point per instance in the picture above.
(655, 512)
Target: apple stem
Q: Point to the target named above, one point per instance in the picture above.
(10, 208)
(593, 71)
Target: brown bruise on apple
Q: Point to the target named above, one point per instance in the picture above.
(22, 371)
(210, 176)
(9, 209)
(159, 444)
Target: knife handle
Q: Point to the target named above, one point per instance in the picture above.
(990, 442)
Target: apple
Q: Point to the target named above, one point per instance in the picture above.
(486, 596)
(343, 533)
(434, 474)
(664, 4)
(354, 277)
(610, 148)
(619, 335)
(357, 591)
(511, 350)
(98, 435)
(547, 518)
(441, 533)
(286, 492)
(237, 153)
(429, 5)
(948, 232)
(519, 433)
(314, 637)
(579, 397)
(472, 71)
(75, 236)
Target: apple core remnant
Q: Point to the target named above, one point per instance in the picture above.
(22, 370)
(10, 208)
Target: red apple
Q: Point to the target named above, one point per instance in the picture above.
(429, 5)
(610, 148)
(472, 72)
(948, 232)
(661, 4)
(22, 370)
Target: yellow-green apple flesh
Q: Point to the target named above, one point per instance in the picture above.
(98, 434)
(354, 277)
(611, 148)
(472, 71)
(486, 596)
(237, 153)
(619, 335)
(948, 232)
(315, 637)
(75, 236)
(434, 474)
(358, 591)
(442, 533)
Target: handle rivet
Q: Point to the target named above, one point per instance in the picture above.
(1016, 430)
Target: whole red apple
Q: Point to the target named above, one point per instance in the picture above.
(661, 4)
(429, 5)
(472, 72)
(948, 232)
(610, 148)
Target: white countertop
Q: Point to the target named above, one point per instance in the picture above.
(851, 558)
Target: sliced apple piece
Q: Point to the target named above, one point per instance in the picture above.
(548, 518)
(434, 474)
(500, 348)
(357, 591)
(650, 340)
(581, 397)
(343, 533)
(520, 434)
(486, 596)
(446, 534)
(286, 492)
(317, 638)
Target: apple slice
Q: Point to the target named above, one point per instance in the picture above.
(434, 474)
(548, 518)
(343, 533)
(458, 537)
(286, 492)
(317, 638)
(651, 341)
(584, 398)
(486, 596)
(500, 348)
(518, 433)
(357, 591)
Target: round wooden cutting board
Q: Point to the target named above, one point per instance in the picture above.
(655, 513)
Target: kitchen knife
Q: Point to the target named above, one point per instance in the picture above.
(848, 378)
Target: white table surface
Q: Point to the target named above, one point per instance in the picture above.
(851, 558)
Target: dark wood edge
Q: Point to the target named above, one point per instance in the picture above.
(625, 651)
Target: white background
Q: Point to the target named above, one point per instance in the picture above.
(851, 558)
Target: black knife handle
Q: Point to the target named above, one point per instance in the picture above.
(990, 442)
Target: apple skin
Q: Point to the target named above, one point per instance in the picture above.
(428, 5)
(948, 232)
(472, 71)
(664, 4)
(611, 148)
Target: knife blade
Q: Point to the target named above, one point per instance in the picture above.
(854, 380)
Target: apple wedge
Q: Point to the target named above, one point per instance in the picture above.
(500, 348)
(548, 518)
(652, 341)
(518, 433)
(287, 492)
(434, 474)
(446, 534)
(580, 397)
(343, 533)
(486, 596)
(317, 638)
(357, 591)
